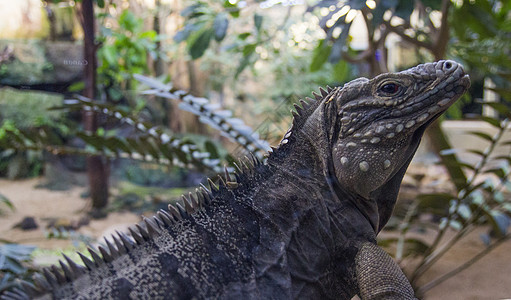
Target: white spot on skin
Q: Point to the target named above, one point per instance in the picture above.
(375, 140)
(379, 129)
(284, 141)
(433, 109)
(357, 135)
(386, 164)
(288, 134)
(351, 144)
(364, 166)
(399, 128)
(344, 160)
(422, 117)
(444, 101)
(390, 135)
(410, 123)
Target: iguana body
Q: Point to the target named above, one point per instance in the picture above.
(302, 225)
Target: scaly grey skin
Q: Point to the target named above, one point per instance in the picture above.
(302, 225)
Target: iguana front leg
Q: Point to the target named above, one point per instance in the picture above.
(379, 277)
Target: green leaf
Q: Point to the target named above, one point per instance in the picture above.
(341, 71)
(504, 93)
(166, 151)
(497, 171)
(320, 56)
(455, 225)
(101, 3)
(436, 202)
(200, 42)
(92, 140)
(116, 145)
(110, 54)
(6, 202)
(136, 146)
(243, 36)
(148, 145)
(11, 256)
(220, 26)
(76, 87)
(498, 106)
(249, 49)
(504, 157)
(507, 207)
(433, 4)
(51, 136)
(500, 222)
(492, 121)
(234, 13)
(412, 247)
(128, 21)
(181, 155)
(211, 149)
(477, 152)
(485, 238)
(258, 21)
(229, 4)
(245, 61)
(482, 135)
(404, 9)
(339, 44)
(184, 33)
(465, 165)
(191, 10)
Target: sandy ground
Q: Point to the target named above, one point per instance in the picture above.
(489, 278)
(43, 204)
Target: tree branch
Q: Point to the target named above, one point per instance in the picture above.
(399, 30)
(357, 58)
(442, 37)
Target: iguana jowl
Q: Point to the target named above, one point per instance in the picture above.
(301, 225)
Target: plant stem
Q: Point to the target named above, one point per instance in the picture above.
(464, 266)
(431, 256)
(403, 229)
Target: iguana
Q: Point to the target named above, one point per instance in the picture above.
(301, 225)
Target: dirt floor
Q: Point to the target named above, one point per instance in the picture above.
(489, 278)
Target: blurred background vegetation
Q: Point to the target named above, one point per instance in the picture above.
(71, 102)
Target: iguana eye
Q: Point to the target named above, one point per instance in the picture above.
(389, 88)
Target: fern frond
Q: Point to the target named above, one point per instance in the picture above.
(155, 142)
(211, 114)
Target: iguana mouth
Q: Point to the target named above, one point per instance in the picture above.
(425, 115)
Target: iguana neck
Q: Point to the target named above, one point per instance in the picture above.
(306, 149)
(304, 223)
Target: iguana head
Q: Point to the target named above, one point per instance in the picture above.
(373, 128)
(383, 119)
